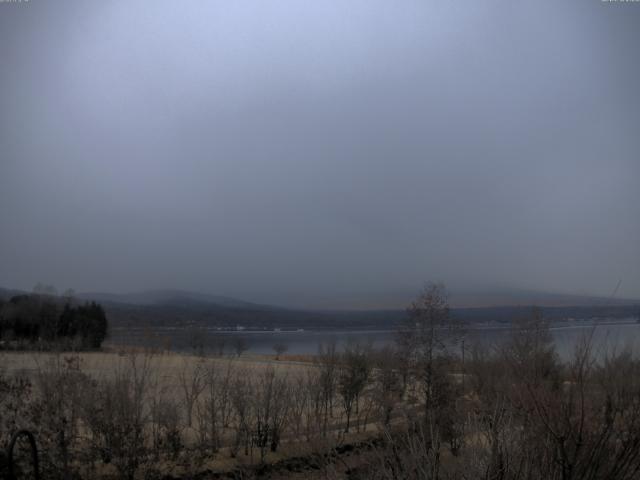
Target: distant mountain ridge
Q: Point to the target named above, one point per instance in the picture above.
(458, 300)
(532, 297)
(169, 297)
(158, 308)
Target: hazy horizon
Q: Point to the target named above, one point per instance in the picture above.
(323, 154)
(364, 302)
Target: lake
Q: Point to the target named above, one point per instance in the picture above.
(606, 336)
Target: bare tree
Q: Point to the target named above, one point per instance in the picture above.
(192, 382)
(280, 348)
(530, 349)
(327, 361)
(57, 411)
(353, 377)
(316, 412)
(427, 338)
(198, 339)
(166, 427)
(241, 394)
(271, 404)
(115, 414)
(388, 387)
(219, 343)
(300, 405)
(214, 411)
(44, 289)
(240, 345)
(412, 454)
(69, 295)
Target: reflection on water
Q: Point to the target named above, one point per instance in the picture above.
(606, 336)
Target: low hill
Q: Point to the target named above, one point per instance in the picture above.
(169, 297)
(177, 308)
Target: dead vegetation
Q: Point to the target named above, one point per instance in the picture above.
(512, 411)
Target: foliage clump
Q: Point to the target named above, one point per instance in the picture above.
(45, 321)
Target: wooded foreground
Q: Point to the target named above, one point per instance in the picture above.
(415, 411)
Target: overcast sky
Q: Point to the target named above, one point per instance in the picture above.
(311, 152)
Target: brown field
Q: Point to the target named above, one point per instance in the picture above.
(167, 374)
(168, 365)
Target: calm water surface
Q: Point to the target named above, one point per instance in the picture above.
(606, 336)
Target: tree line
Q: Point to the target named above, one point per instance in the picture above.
(44, 320)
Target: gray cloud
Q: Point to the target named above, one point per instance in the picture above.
(301, 152)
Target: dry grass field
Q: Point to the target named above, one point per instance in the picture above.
(221, 414)
(167, 365)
